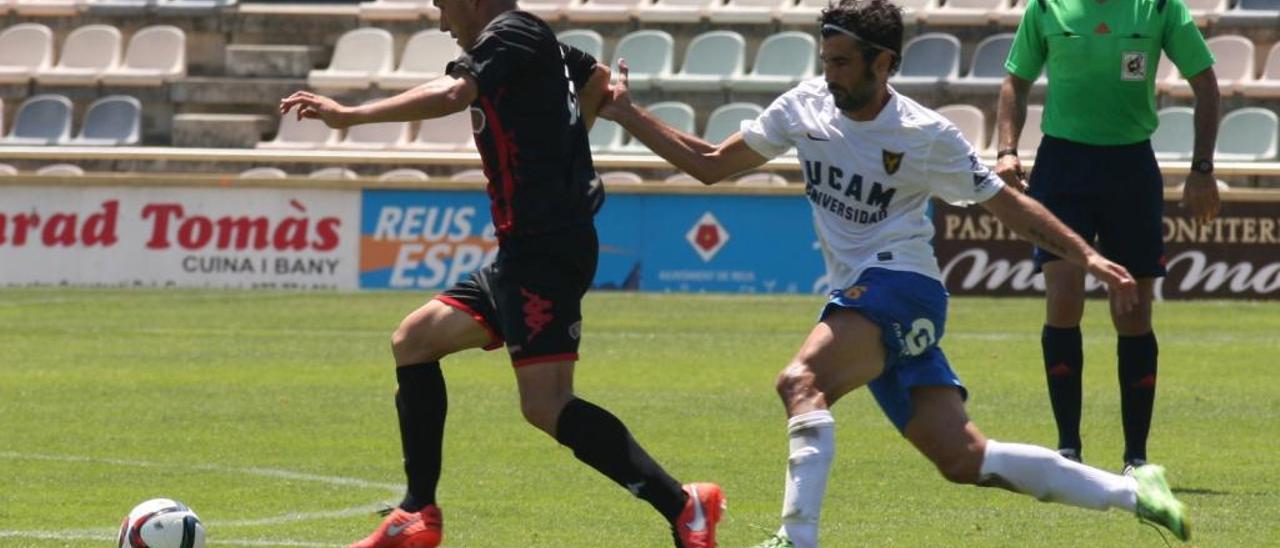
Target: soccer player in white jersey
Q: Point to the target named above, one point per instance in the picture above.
(872, 159)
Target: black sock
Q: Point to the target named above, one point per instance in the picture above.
(1063, 365)
(1137, 357)
(601, 440)
(421, 403)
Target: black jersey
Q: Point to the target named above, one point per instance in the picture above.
(530, 131)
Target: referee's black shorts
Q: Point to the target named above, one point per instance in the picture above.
(530, 297)
(1112, 196)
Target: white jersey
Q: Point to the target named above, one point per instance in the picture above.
(869, 182)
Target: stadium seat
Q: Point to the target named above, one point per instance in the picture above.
(469, 176)
(155, 55)
(549, 10)
(677, 11)
(358, 57)
(986, 72)
(727, 119)
(87, 53)
(1175, 136)
(585, 40)
(783, 60)
(1029, 141)
(603, 11)
(1233, 66)
(1260, 13)
(966, 12)
(1268, 86)
(805, 12)
(971, 122)
(60, 170)
(341, 173)
(397, 9)
(928, 60)
(424, 58)
(50, 8)
(711, 60)
(41, 120)
(404, 174)
(1206, 11)
(380, 136)
(649, 55)
(611, 178)
(681, 179)
(751, 12)
(1248, 134)
(295, 134)
(24, 49)
(120, 7)
(673, 113)
(111, 121)
(449, 133)
(605, 136)
(763, 178)
(265, 172)
(6, 169)
(192, 7)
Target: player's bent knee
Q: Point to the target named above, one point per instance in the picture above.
(411, 342)
(796, 381)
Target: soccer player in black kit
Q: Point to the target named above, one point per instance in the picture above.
(533, 101)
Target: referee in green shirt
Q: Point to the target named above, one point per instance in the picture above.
(1096, 171)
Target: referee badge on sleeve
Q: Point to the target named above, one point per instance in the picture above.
(1134, 66)
(892, 161)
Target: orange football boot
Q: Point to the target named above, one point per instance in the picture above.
(401, 529)
(696, 526)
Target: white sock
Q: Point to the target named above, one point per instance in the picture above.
(1049, 477)
(813, 447)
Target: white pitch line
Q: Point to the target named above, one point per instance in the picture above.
(96, 534)
(109, 537)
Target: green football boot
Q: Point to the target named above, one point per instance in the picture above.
(1157, 504)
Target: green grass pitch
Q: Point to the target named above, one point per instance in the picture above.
(271, 414)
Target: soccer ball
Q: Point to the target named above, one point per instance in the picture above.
(161, 523)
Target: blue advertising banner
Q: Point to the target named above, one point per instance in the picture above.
(421, 239)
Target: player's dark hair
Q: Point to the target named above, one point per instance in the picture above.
(875, 22)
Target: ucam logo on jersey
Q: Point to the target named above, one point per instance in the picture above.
(214, 237)
(423, 239)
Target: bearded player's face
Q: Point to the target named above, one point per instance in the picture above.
(852, 81)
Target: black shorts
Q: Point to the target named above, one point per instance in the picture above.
(1112, 196)
(530, 297)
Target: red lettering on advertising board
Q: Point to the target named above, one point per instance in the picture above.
(170, 223)
(62, 229)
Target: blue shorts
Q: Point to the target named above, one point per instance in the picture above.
(911, 311)
(1110, 195)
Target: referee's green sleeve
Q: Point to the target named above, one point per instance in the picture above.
(1027, 56)
(1183, 42)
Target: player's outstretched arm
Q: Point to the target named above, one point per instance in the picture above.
(1033, 222)
(440, 97)
(707, 162)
